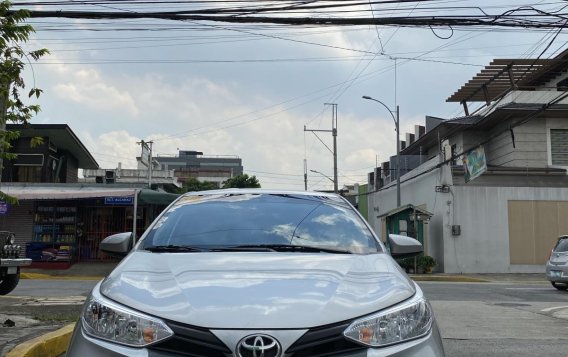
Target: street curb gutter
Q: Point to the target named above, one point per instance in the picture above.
(51, 344)
(59, 277)
(448, 278)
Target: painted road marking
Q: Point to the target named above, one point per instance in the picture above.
(548, 309)
(528, 288)
(49, 301)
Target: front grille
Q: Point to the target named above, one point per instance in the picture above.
(191, 341)
(324, 341)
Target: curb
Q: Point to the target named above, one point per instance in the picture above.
(24, 275)
(51, 344)
(448, 278)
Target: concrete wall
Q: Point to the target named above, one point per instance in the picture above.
(72, 170)
(482, 213)
(530, 145)
(419, 192)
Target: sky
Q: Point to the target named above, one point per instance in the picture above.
(249, 90)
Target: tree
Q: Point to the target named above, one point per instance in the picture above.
(242, 181)
(13, 33)
(193, 184)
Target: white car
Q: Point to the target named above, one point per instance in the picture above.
(256, 273)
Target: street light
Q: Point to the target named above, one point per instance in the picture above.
(324, 175)
(396, 123)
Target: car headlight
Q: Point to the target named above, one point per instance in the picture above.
(409, 320)
(106, 320)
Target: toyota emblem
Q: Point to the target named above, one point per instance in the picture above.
(258, 346)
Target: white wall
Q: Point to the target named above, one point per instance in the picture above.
(419, 191)
(482, 213)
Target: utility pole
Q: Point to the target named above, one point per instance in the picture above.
(397, 157)
(333, 132)
(305, 174)
(397, 127)
(150, 166)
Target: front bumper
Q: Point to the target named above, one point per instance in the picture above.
(557, 273)
(83, 345)
(11, 262)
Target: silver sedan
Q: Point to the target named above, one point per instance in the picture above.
(256, 273)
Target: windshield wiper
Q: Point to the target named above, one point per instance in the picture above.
(242, 248)
(173, 249)
(292, 248)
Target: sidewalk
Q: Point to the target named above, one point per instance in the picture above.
(81, 271)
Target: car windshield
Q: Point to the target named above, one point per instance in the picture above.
(255, 220)
(562, 246)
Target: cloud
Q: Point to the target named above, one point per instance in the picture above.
(86, 87)
(111, 148)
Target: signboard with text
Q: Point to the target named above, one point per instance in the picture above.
(474, 163)
(145, 155)
(4, 207)
(119, 201)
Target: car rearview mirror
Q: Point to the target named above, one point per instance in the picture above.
(404, 247)
(118, 245)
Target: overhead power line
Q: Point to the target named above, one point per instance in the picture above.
(520, 17)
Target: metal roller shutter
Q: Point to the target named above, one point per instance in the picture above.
(559, 146)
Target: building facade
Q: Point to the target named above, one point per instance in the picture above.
(57, 219)
(508, 218)
(193, 164)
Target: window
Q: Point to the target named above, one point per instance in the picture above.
(559, 146)
(561, 246)
(28, 174)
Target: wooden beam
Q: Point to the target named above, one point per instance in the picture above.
(466, 111)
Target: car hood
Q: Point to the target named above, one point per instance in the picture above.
(259, 290)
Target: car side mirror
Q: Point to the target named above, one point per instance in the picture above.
(404, 247)
(117, 245)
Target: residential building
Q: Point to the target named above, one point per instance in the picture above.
(507, 219)
(193, 164)
(165, 180)
(56, 159)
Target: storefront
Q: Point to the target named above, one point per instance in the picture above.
(59, 226)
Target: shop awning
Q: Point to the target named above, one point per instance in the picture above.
(152, 197)
(29, 192)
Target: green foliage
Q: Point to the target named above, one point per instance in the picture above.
(13, 58)
(193, 184)
(426, 262)
(242, 181)
(406, 263)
